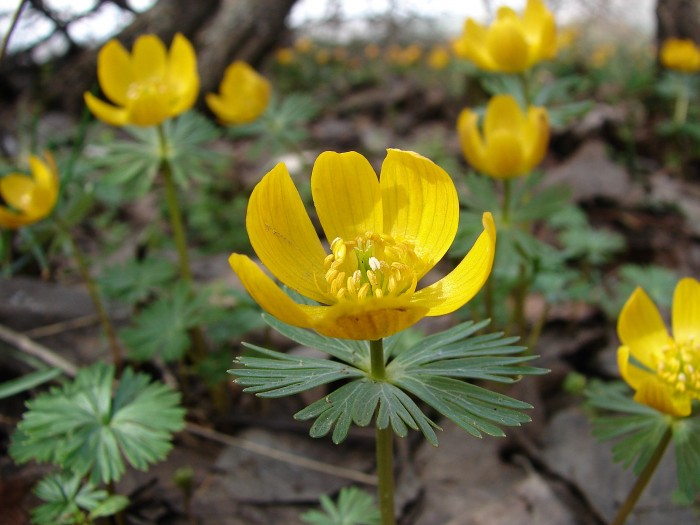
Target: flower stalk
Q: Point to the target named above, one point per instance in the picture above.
(643, 479)
(84, 269)
(680, 112)
(385, 443)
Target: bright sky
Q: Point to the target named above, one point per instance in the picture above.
(109, 19)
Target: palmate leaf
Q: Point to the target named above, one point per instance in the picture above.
(433, 370)
(90, 430)
(638, 428)
(67, 501)
(136, 280)
(354, 507)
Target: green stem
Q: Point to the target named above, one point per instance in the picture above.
(680, 113)
(643, 479)
(198, 344)
(7, 253)
(10, 30)
(506, 200)
(174, 209)
(385, 443)
(94, 292)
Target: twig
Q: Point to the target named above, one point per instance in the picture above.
(63, 326)
(48, 356)
(33, 348)
(10, 30)
(300, 461)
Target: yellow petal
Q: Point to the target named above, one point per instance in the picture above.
(224, 112)
(420, 205)
(507, 46)
(17, 190)
(346, 194)
(657, 395)
(369, 320)
(150, 109)
(472, 45)
(245, 95)
(470, 139)
(503, 113)
(270, 297)
(106, 112)
(283, 236)
(114, 71)
(149, 58)
(641, 328)
(11, 220)
(536, 136)
(462, 284)
(504, 155)
(686, 311)
(182, 74)
(633, 375)
(540, 30)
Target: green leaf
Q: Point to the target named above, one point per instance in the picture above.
(161, 329)
(686, 439)
(90, 431)
(354, 507)
(433, 369)
(637, 428)
(135, 281)
(28, 381)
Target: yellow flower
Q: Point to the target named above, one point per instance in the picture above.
(512, 44)
(149, 86)
(285, 56)
(512, 142)
(439, 58)
(664, 371)
(681, 55)
(384, 236)
(303, 45)
(244, 95)
(29, 199)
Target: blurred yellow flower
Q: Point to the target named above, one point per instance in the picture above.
(244, 95)
(512, 44)
(439, 58)
(384, 234)
(512, 142)
(372, 51)
(148, 86)
(602, 54)
(29, 199)
(322, 57)
(567, 36)
(664, 371)
(285, 56)
(680, 55)
(303, 45)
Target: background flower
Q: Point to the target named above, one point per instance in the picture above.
(148, 86)
(680, 55)
(664, 371)
(512, 44)
(244, 95)
(29, 198)
(511, 144)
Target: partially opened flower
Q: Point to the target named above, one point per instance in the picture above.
(664, 371)
(512, 44)
(680, 55)
(511, 144)
(29, 198)
(384, 236)
(147, 87)
(244, 95)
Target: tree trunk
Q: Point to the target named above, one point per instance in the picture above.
(220, 30)
(677, 19)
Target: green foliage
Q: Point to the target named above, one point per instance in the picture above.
(161, 329)
(129, 167)
(283, 127)
(27, 382)
(136, 281)
(658, 282)
(354, 507)
(638, 430)
(434, 370)
(67, 501)
(90, 428)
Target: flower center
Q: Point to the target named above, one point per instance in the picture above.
(372, 265)
(679, 367)
(150, 88)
